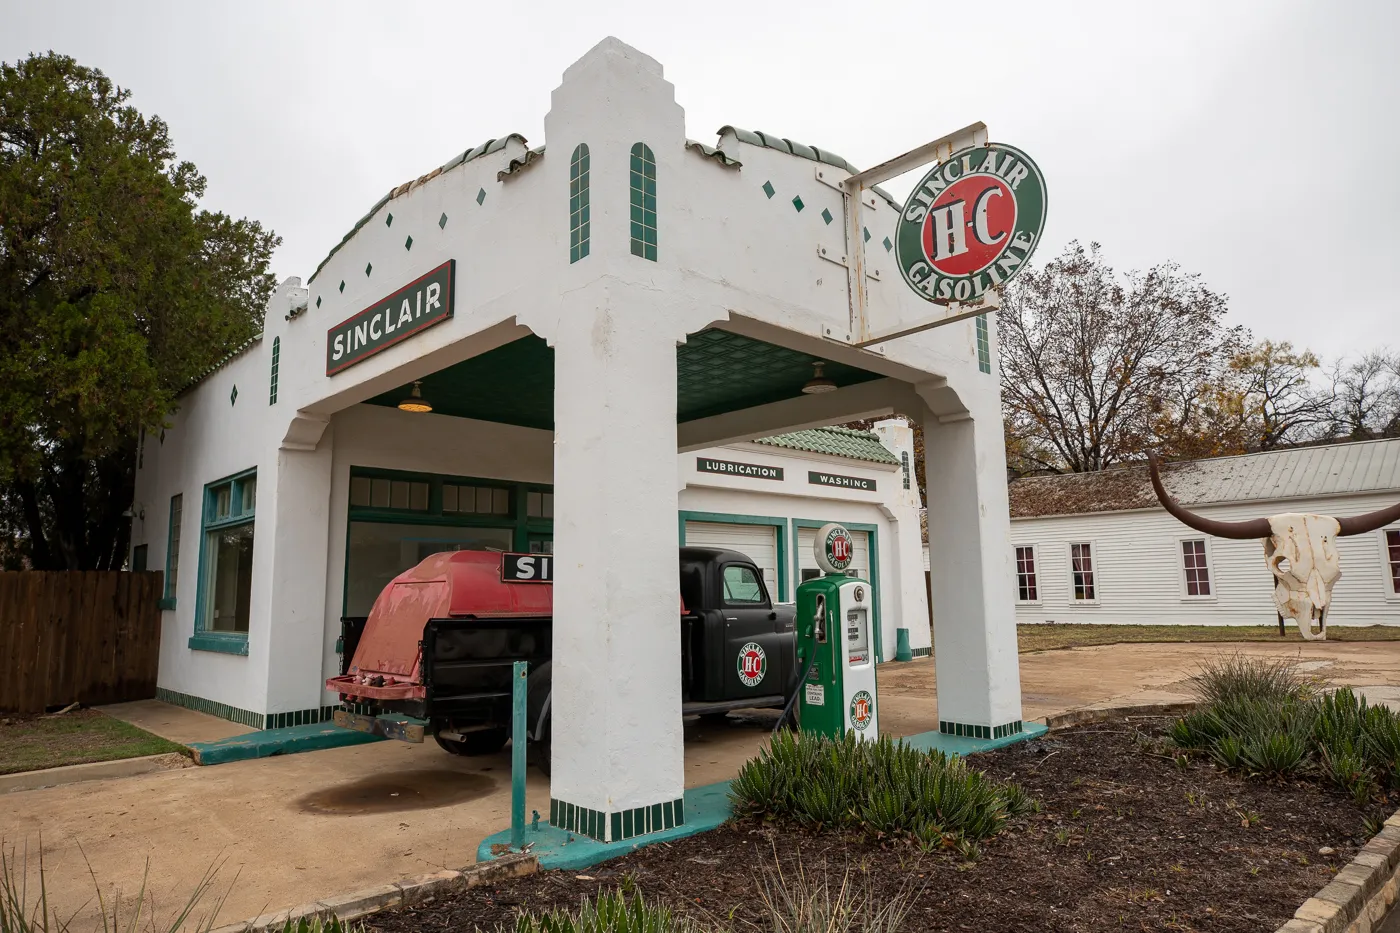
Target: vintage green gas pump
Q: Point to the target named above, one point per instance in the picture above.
(834, 615)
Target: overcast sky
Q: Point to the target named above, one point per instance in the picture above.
(1254, 143)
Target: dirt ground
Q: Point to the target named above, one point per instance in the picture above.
(1126, 840)
(303, 827)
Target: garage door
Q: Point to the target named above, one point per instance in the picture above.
(758, 542)
(807, 561)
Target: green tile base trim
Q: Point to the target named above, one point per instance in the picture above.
(700, 810)
(301, 717)
(923, 652)
(979, 732)
(616, 827)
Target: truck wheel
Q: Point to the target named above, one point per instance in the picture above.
(481, 742)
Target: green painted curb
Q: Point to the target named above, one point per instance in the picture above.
(269, 742)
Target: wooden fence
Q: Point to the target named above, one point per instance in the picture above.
(80, 636)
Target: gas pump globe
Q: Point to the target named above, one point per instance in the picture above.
(833, 633)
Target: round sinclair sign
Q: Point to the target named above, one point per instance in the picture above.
(971, 223)
(833, 548)
(753, 664)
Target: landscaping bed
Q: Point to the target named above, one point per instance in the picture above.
(1131, 835)
(1051, 635)
(79, 736)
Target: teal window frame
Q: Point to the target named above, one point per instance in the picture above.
(203, 639)
(874, 537)
(642, 177)
(172, 551)
(728, 518)
(984, 344)
(276, 359)
(524, 528)
(578, 203)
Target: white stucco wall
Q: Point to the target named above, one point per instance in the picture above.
(1138, 568)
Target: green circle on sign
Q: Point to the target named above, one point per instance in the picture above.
(971, 224)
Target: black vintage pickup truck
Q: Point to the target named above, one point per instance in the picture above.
(439, 645)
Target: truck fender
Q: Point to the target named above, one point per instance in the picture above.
(540, 688)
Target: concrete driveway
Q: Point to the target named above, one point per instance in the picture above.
(301, 827)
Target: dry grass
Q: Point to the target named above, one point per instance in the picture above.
(83, 735)
(1072, 635)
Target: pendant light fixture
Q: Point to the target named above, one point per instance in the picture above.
(415, 401)
(818, 383)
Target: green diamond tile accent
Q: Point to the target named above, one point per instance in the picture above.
(888, 245)
(826, 215)
(369, 267)
(768, 189)
(233, 396)
(408, 244)
(866, 231)
(342, 285)
(389, 221)
(837, 442)
(797, 203)
(442, 221)
(318, 301)
(480, 195)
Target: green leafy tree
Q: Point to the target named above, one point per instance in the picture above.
(116, 290)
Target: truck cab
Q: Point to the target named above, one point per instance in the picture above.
(435, 654)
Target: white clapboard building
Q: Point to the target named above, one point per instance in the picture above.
(1097, 547)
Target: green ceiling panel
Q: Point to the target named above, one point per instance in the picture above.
(717, 372)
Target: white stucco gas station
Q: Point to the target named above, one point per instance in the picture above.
(606, 329)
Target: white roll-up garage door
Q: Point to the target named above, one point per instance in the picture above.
(807, 561)
(758, 542)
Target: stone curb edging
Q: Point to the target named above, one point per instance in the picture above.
(1358, 898)
(400, 894)
(1080, 717)
(93, 771)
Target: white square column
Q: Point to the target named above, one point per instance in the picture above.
(617, 736)
(974, 618)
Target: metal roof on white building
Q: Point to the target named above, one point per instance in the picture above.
(1295, 473)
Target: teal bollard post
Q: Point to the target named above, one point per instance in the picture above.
(902, 652)
(517, 755)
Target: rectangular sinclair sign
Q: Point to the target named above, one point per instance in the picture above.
(420, 304)
(527, 568)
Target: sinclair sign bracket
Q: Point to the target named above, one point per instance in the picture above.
(959, 276)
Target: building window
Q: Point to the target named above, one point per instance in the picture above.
(1392, 558)
(384, 493)
(1195, 567)
(539, 504)
(809, 573)
(643, 202)
(904, 465)
(578, 203)
(172, 551)
(475, 500)
(379, 551)
(984, 344)
(138, 558)
(1081, 564)
(276, 355)
(1027, 588)
(226, 574)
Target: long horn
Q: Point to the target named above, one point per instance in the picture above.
(1360, 524)
(1255, 528)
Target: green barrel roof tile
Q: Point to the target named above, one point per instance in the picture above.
(835, 442)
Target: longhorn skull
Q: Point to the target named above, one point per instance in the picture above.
(1299, 549)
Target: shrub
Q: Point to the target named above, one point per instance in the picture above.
(884, 787)
(610, 912)
(796, 902)
(1262, 717)
(1240, 677)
